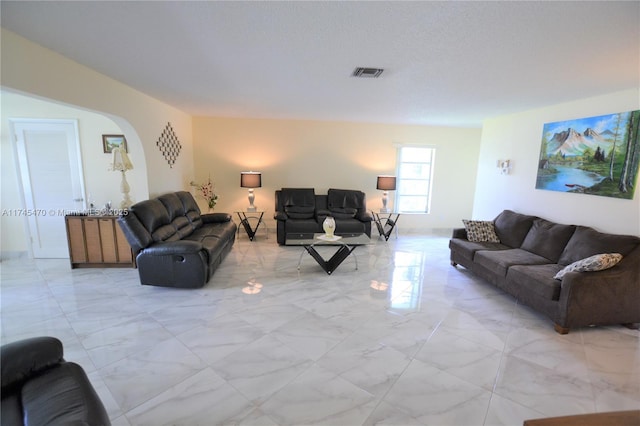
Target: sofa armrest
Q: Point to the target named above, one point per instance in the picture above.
(459, 233)
(603, 297)
(23, 358)
(134, 231)
(215, 217)
(173, 247)
(280, 216)
(364, 217)
(63, 395)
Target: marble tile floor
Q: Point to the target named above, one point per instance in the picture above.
(404, 340)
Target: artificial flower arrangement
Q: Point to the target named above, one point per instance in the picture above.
(207, 191)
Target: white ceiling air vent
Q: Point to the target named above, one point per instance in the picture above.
(363, 72)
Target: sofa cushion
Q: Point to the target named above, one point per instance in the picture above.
(213, 245)
(221, 230)
(165, 233)
(151, 213)
(536, 279)
(304, 226)
(339, 213)
(177, 214)
(467, 248)
(597, 262)
(299, 203)
(587, 241)
(345, 203)
(191, 209)
(512, 227)
(155, 218)
(173, 204)
(480, 231)
(547, 239)
(500, 261)
(300, 212)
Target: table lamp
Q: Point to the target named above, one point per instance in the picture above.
(251, 180)
(121, 163)
(386, 183)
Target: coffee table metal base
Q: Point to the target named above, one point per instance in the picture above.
(332, 264)
(345, 243)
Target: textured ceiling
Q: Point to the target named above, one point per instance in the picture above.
(446, 63)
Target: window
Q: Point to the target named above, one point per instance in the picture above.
(415, 173)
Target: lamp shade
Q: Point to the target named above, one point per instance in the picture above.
(251, 179)
(386, 183)
(121, 162)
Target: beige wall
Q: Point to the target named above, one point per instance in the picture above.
(101, 185)
(29, 69)
(518, 137)
(33, 70)
(323, 155)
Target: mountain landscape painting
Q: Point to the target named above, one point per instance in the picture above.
(595, 155)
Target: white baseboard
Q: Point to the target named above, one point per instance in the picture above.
(12, 255)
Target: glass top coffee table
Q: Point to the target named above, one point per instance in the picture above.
(346, 244)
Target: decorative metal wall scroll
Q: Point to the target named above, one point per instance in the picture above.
(169, 145)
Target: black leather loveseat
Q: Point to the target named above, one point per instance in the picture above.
(175, 245)
(302, 211)
(40, 388)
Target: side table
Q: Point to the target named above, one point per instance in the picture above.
(245, 222)
(386, 224)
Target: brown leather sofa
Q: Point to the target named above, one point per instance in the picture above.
(175, 245)
(302, 211)
(40, 388)
(532, 250)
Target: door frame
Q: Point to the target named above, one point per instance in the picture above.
(23, 168)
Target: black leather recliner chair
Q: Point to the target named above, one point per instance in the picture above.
(40, 388)
(302, 211)
(175, 245)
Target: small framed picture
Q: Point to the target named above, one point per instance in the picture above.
(113, 141)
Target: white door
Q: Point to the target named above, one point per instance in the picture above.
(50, 168)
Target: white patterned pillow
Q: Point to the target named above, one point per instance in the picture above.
(597, 262)
(480, 231)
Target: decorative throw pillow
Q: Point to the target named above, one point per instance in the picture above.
(597, 262)
(480, 231)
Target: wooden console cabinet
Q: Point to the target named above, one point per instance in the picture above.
(97, 242)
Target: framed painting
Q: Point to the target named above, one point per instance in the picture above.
(594, 155)
(113, 141)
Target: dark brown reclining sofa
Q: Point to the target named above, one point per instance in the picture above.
(532, 250)
(175, 245)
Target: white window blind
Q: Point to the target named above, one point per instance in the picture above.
(415, 177)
